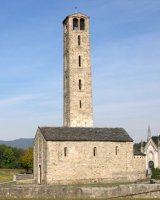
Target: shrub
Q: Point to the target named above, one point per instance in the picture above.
(156, 173)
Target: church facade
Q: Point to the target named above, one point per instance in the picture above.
(77, 152)
(152, 152)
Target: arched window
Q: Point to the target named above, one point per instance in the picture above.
(65, 151)
(80, 104)
(79, 61)
(94, 151)
(80, 84)
(116, 150)
(151, 164)
(82, 24)
(150, 155)
(75, 24)
(79, 40)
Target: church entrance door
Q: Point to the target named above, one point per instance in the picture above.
(151, 164)
(39, 175)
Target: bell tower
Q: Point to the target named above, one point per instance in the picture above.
(77, 72)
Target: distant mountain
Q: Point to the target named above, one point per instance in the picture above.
(19, 143)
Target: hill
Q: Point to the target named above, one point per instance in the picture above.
(19, 143)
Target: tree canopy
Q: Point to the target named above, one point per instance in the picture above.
(11, 157)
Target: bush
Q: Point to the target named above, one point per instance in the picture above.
(156, 173)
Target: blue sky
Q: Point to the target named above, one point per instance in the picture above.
(125, 47)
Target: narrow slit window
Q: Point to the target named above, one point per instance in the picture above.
(65, 151)
(65, 29)
(116, 150)
(80, 104)
(75, 24)
(79, 40)
(79, 61)
(80, 84)
(82, 24)
(94, 151)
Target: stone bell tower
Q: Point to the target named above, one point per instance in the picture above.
(77, 72)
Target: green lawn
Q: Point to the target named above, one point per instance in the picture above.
(7, 174)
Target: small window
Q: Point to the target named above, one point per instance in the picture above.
(79, 40)
(80, 84)
(94, 151)
(82, 24)
(116, 150)
(75, 24)
(79, 61)
(65, 29)
(80, 104)
(65, 151)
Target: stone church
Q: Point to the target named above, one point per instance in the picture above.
(152, 151)
(77, 152)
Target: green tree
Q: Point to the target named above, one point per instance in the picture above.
(18, 153)
(2, 149)
(8, 158)
(26, 160)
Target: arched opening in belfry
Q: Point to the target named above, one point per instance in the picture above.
(82, 24)
(75, 24)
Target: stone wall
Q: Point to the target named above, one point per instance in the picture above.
(4, 184)
(24, 178)
(33, 191)
(139, 167)
(80, 164)
(19, 177)
(40, 158)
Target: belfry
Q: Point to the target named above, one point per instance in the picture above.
(77, 72)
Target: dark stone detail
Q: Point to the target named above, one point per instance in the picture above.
(85, 134)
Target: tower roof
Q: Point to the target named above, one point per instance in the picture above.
(78, 14)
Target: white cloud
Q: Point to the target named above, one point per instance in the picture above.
(15, 100)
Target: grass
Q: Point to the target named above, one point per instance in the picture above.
(7, 174)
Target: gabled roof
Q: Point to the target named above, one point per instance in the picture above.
(85, 134)
(151, 142)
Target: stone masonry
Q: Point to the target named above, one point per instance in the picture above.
(111, 161)
(77, 72)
